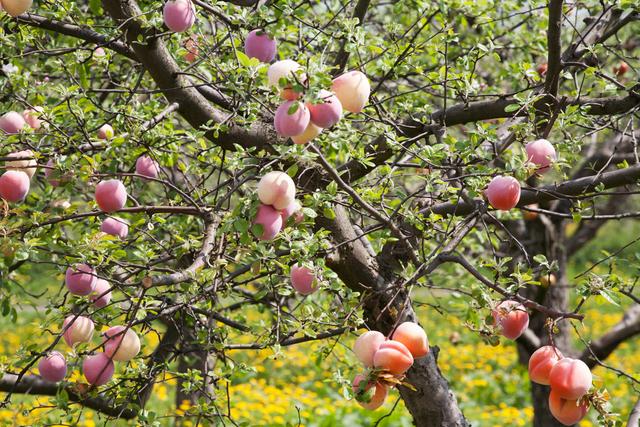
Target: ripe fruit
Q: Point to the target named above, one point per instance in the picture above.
(541, 362)
(277, 189)
(413, 337)
(621, 69)
(98, 369)
(326, 113)
(568, 412)
(369, 395)
(111, 195)
(261, 45)
(570, 378)
(289, 70)
(12, 122)
(53, 367)
(100, 297)
(352, 89)
(121, 346)
(270, 220)
(309, 133)
(99, 52)
(503, 192)
(542, 69)
(548, 280)
(394, 357)
(26, 166)
(80, 279)
(541, 153)
(14, 186)
(511, 318)
(179, 15)
(366, 346)
(115, 227)
(32, 117)
(528, 215)
(148, 167)
(291, 118)
(79, 330)
(303, 280)
(16, 7)
(293, 208)
(105, 132)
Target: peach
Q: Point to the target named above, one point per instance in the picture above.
(105, 132)
(98, 369)
(14, 186)
(303, 280)
(413, 337)
(270, 220)
(148, 167)
(503, 192)
(111, 195)
(277, 189)
(53, 367)
(101, 296)
(370, 395)
(293, 208)
(261, 45)
(289, 70)
(179, 15)
(548, 280)
(99, 52)
(26, 166)
(570, 378)
(621, 69)
(77, 329)
(529, 215)
(511, 318)
(121, 346)
(32, 117)
(291, 118)
(309, 133)
(541, 362)
(567, 411)
(542, 69)
(366, 346)
(115, 227)
(191, 45)
(16, 7)
(12, 122)
(80, 279)
(327, 112)
(394, 357)
(541, 153)
(352, 89)
(54, 177)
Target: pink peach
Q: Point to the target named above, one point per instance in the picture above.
(366, 345)
(98, 369)
(115, 227)
(101, 295)
(270, 220)
(80, 279)
(292, 208)
(148, 167)
(111, 195)
(570, 378)
(567, 411)
(511, 318)
(26, 166)
(352, 89)
(77, 329)
(120, 345)
(370, 395)
(291, 72)
(32, 117)
(12, 122)
(261, 45)
(105, 132)
(303, 280)
(14, 186)
(541, 362)
(277, 189)
(394, 357)
(53, 367)
(179, 15)
(291, 118)
(413, 337)
(327, 112)
(503, 192)
(541, 153)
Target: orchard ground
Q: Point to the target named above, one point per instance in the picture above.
(306, 384)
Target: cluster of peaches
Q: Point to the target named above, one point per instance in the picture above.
(386, 361)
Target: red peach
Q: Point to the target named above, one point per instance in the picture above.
(310, 132)
(101, 296)
(277, 189)
(503, 192)
(371, 395)
(78, 330)
(541, 362)
(12, 122)
(270, 220)
(115, 227)
(393, 357)
(303, 280)
(111, 195)
(570, 378)
(366, 346)
(14, 186)
(120, 345)
(567, 411)
(621, 69)
(53, 367)
(326, 113)
(26, 166)
(80, 279)
(529, 215)
(105, 132)
(291, 118)
(511, 318)
(32, 117)
(413, 337)
(541, 153)
(352, 89)
(16, 7)
(179, 15)
(542, 69)
(261, 45)
(98, 369)
(148, 167)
